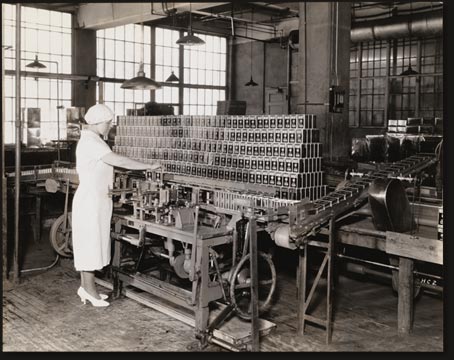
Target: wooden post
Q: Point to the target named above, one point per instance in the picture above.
(405, 300)
(254, 284)
(329, 281)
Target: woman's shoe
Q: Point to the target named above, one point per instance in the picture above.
(102, 296)
(84, 296)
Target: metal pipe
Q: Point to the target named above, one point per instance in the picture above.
(282, 10)
(18, 144)
(230, 67)
(362, 270)
(392, 267)
(417, 25)
(231, 18)
(36, 74)
(44, 267)
(289, 64)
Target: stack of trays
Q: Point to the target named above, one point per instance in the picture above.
(416, 126)
(280, 151)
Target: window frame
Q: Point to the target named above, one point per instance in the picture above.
(186, 88)
(57, 62)
(399, 53)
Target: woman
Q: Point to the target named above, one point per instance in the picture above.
(92, 205)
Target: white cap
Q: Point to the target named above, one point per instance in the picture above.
(98, 113)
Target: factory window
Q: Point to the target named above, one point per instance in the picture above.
(203, 72)
(167, 60)
(119, 53)
(46, 34)
(379, 92)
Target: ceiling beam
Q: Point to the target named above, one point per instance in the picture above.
(105, 15)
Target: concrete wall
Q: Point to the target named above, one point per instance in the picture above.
(320, 69)
(319, 52)
(268, 56)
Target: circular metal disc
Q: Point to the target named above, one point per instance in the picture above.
(178, 266)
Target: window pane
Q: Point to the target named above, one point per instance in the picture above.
(119, 70)
(100, 67)
(66, 65)
(201, 96)
(159, 73)
(129, 51)
(110, 49)
(110, 33)
(119, 50)
(174, 95)
(159, 95)
(129, 32)
(175, 57)
(129, 70)
(147, 54)
(193, 96)
(66, 44)
(110, 69)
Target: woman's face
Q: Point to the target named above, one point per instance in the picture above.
(105, 127)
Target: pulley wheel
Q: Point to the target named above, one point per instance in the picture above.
(178, 266)
(60, 237)
(240, 285)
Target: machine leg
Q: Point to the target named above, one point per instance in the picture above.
(37, 225)
(201, 307)
(405, 297)
(117, 283)
(201, 319)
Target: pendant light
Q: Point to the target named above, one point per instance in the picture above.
(251, 82)
(409, 70)
(190, 39)
(141, 82)
(36, 64)
(172, 78)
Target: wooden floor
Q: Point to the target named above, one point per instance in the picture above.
(43, 313)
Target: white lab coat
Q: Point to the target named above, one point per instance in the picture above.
(92, 206)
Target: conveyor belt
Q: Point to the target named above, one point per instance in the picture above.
(41, 174)
(308, 218)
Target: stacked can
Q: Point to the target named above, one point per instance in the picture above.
(279, 151)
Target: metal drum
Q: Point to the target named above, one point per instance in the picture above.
(391, 210)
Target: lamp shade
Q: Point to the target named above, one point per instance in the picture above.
(409, 71)
(141, 82)
(172, 78)
(251, 83)
(36, 64)
(190, 40)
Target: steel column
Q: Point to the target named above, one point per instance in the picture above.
(18, 145)
(255, 346)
